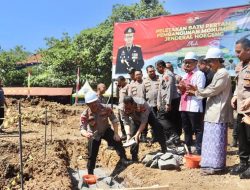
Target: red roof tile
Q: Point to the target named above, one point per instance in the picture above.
(36, 58)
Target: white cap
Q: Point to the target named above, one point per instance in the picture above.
(191, 55)
(90, 97)
(214, 53)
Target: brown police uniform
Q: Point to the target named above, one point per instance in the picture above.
(102, 99)
(167, 89)
(242, 92)
(171, 120)
(98, 125)
(151, 90)
(123, 91)
(243, 87)
(140, 116)
(137, 89)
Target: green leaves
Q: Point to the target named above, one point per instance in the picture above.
(8, 66)
(91, 50)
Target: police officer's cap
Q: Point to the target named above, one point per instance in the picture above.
(129, 30)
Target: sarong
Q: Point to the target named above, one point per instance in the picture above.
(214, 146)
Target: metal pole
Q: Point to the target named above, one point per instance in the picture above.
(20, 143)
(112, 92)
(50, 132)
(45, 131)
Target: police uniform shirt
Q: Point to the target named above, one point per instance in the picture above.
(123, 91)
(167, 89)
(97, 123)
(137, 89)
(102, 99)
(151, 90)
(243, 87)
(127, 58)
(140, 114)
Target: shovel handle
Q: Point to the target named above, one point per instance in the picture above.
(186, 148)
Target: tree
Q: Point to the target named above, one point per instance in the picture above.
(8, 66)
(91, 50)
(58, 68)
(144, 9)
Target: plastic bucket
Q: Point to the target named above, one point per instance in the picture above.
(90, 179)
(192, 161)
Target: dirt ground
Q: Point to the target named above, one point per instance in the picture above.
(66, 150)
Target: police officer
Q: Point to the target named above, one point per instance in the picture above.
(241, 94)
(138, 110)
(2, 104)
(131, 73)
(151, 85)
(136, 88)
(168, 104)
(122, 87)
(95, 126)
(129, 55)
(101, 89)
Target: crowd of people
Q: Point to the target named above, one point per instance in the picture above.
(199, 105)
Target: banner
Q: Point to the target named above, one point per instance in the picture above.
(140, 43)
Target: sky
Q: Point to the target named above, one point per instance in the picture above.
(28, 22)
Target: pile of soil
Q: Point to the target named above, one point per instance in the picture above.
(66, 149)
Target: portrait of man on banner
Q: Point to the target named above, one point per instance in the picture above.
(130, 55)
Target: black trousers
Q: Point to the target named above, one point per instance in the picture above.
(192, 124)
(235, 128)
(121, 123)
(145, 131)
(171, 121)
(244, 139)
(157, 130)
(1, 115)
(93, 148)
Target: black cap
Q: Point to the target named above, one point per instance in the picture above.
(131, 70)
(129, 30)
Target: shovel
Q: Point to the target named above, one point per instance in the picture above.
(186, 148)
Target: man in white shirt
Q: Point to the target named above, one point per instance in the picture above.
(190, 106)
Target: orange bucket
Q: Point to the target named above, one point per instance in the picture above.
(192, 161)
(90, 179)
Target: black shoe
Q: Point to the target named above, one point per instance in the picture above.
(90, 171)
(143, 139)
(153, 140)
(245, 174)
(125, 161)
(239, 169)
(135, 159)
(173, 139)
(111, 148)
(234, 143)
(164, 149)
